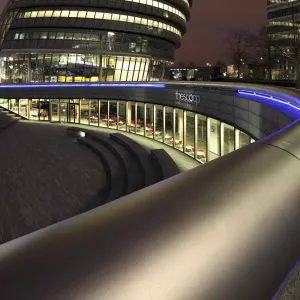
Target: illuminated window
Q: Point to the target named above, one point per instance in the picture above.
(101, 15)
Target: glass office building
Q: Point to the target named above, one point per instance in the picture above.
(199, 136)
(82, 41)
(283, 29)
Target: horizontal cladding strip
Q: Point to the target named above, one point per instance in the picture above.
(69, 85)
(96, 15)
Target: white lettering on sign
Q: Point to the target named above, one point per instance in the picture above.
(188, 98)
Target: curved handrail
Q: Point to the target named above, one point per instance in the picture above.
(226, 230)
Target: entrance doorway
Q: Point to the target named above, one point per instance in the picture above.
(63, 112)
(54, 112)
(74, 113)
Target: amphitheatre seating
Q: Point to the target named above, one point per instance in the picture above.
(128, 165)
(165, 163)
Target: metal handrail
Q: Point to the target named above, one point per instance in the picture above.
(228, 229)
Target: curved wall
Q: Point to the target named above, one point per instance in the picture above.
(214, 119)
(260, 114)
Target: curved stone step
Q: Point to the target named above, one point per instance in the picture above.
(165, 163)
(147, 169)
(116, 175)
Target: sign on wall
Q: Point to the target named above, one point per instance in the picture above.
(187, 99)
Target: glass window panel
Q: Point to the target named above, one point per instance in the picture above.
(90, 14)
(34, 14)
(48, 13)
(77, 36)
(158, 123)
(123, 18)
(99, 15)
(69, 36)
(94, 117)
(84, 111)
(130, 19)
(190, 134)
(179, 129)
(107, 16)
(23, 107)
(52, 35)
(112, 122)
(36, 35)
(131, 116)
(228, 138)
(44, 108)
(56, 13)
(104, 113)
(86, 36)
(169, 138)
(81, 14)
(115, 17)
(34, 109)
(73, 14)
(122, 116)
(201, 138)
(149, 120)
(60, 35)
(244, 139)
(44, 35)
(41, 13)
(140, 124)
(214, 140)
(65, 13)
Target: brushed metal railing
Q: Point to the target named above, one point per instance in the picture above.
(229, 229)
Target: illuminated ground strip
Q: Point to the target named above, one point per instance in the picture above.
(88, 85)
(268, 97)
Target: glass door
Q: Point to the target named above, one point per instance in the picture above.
(74, 113)
(63, 112)
(54, 112)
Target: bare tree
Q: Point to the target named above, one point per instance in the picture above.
(237, 46)
(263, 51)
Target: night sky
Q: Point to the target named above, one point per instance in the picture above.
(212, 21)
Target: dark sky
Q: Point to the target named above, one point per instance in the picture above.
(212, 21)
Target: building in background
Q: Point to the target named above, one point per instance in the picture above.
(283, 28)
(79, 41)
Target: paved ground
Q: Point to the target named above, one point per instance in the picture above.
(44, 178)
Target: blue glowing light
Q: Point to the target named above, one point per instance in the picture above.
(87, 85)
(268, 97)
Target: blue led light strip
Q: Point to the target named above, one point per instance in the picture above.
(268, 97)
(87, 85)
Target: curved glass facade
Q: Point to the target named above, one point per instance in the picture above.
(198, 136)
(56, 41)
